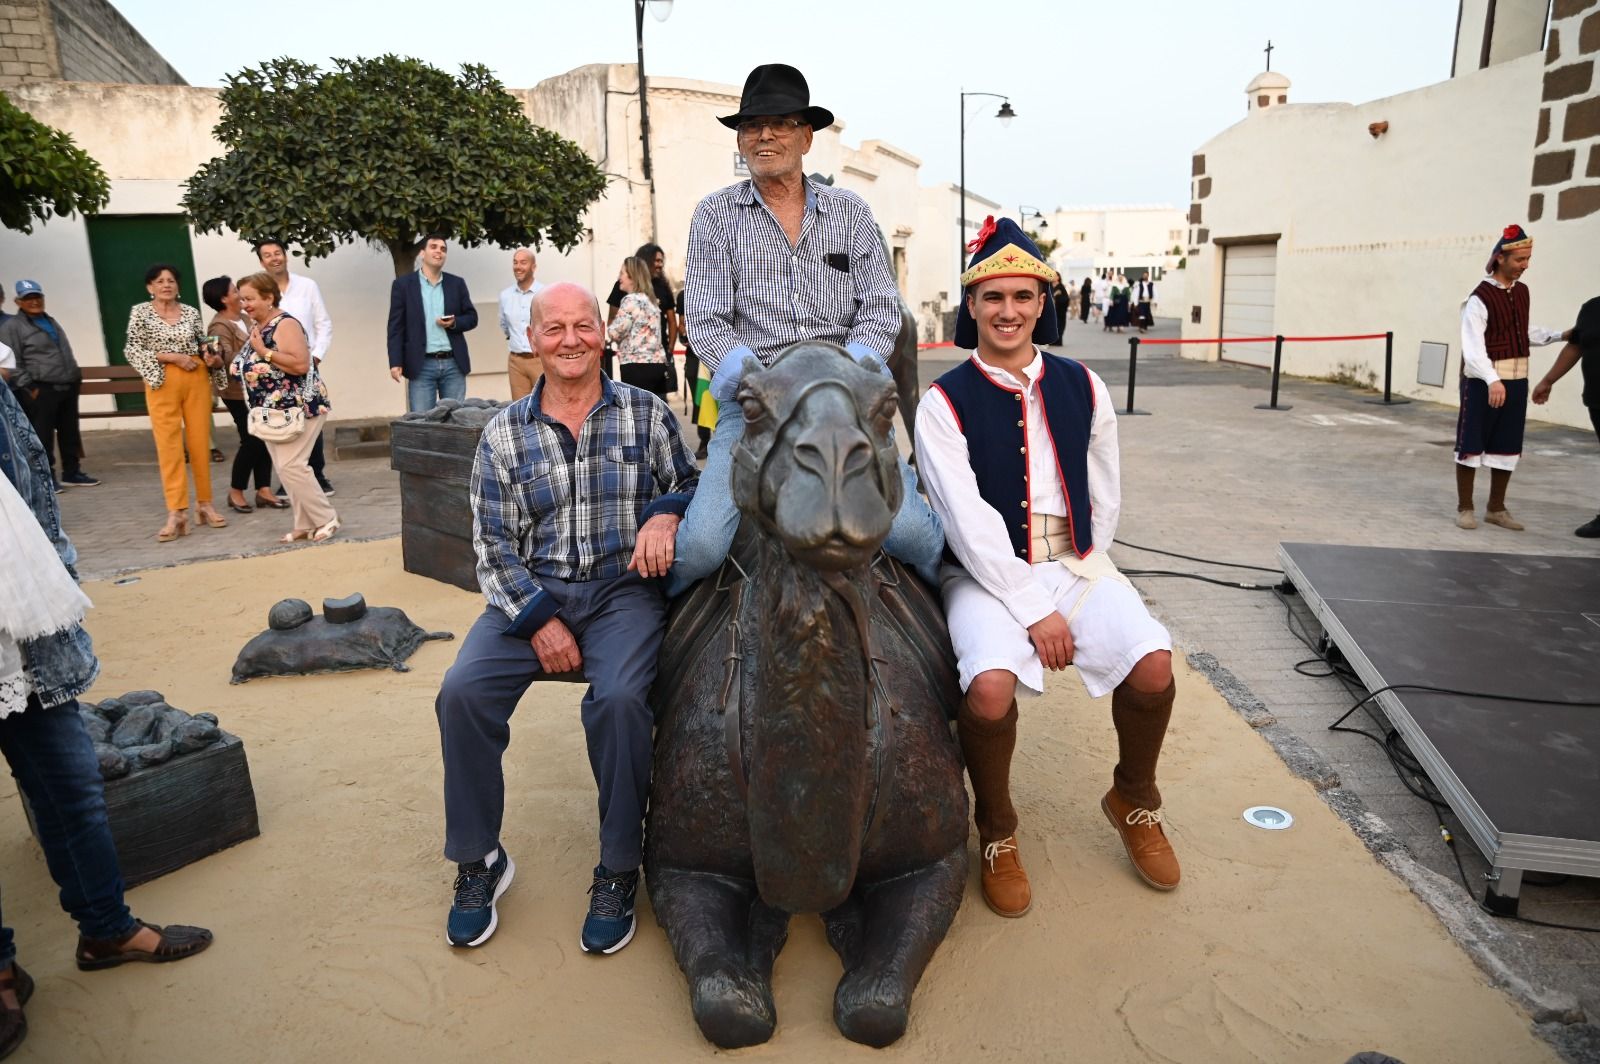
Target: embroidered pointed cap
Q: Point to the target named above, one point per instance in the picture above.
(1512, 237)
(1002, 249)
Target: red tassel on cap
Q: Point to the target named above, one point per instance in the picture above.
(984, 233)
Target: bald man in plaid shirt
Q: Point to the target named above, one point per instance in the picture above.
(773, 261)
(576, 494)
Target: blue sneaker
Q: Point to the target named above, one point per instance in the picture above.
(79, 479)
(478, 886)
(610, 923)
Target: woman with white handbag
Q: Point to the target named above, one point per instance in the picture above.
(288, 403)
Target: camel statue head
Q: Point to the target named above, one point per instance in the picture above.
(817, 464)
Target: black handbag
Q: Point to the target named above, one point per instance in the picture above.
(672, 375)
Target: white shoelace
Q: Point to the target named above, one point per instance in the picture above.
(995, 849)
(1143, 818)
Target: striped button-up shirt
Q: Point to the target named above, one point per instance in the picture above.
(544, 504)
(747, 291)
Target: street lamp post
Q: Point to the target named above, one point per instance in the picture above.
(1024, 212)
(1005, 115)
(661, 10)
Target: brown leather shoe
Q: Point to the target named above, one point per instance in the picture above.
(177, 942)
(1502, 518)
(1144, 839)
(1005, 884)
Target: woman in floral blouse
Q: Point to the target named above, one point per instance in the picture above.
(636, 330)
(164, 346)
(275, 365)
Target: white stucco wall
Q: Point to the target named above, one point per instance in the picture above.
(596, 106)
(1389, 233)
(1117, 235)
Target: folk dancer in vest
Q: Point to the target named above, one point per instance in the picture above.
(1021, 465)
(1495, 339)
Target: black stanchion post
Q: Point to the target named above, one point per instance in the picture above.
(1277, 367)
(1133, 371)
(1388, 374)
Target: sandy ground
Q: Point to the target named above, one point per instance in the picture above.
(1279, 946)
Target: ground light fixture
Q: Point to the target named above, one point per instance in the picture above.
(1268, 817)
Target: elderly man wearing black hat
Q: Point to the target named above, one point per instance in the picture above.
(773, 261)
(1019, 451)
(1495, 342)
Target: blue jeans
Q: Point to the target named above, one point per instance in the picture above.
(916, 536)
(56, 769)
(440, 378)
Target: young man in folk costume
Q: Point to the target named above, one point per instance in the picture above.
(1021, 465)
(1495, 340)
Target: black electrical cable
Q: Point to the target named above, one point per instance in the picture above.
(1192, 558)
(1236, 585)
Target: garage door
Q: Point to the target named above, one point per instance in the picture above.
(1249, 282)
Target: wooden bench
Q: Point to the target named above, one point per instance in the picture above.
(120, 380)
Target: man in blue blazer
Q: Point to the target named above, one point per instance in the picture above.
(428, 312)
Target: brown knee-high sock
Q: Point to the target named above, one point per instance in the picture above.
(1465, 475)
(986, 745)
(1498, 479)
(1141, 721)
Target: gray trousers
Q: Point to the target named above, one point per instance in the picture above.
(618, 625)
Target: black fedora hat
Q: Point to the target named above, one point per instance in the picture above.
(777, 89)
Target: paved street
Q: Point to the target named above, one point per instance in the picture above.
(1208, 475)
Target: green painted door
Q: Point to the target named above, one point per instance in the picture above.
(121, 248)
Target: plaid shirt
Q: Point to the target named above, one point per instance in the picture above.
(544, 504)
(748, 292)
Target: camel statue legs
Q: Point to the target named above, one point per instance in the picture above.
(725, 940)
(885, 934)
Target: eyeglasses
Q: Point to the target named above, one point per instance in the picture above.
(781, 127)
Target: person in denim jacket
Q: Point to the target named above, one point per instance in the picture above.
(56, 769)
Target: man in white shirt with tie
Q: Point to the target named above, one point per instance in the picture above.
(522, 365)
(302, 301)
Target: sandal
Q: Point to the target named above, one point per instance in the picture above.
(210, 518)
(13, 1024)
(177, 525)
(295, 536)
(177, 942)
(326, 532)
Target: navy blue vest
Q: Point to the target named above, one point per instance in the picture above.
(991, 418)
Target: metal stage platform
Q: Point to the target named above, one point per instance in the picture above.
(1523, 778)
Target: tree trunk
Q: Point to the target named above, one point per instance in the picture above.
(404, 254)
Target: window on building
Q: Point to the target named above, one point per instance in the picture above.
(1079, 238)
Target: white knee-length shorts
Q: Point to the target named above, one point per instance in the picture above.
(1111, 628)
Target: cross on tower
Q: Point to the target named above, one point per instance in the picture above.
(1269, 55)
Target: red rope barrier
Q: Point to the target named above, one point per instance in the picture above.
(1261, 339)
(1212, 340)
(946, 343)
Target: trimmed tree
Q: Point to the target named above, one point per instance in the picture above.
(42, 173)
(387, 150)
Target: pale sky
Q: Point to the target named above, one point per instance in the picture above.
(1111, 98)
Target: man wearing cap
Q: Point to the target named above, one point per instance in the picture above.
(1018, 449)
(47, 380)
(772, 261)
(1495, 340)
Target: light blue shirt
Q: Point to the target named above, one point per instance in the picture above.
(432, 311)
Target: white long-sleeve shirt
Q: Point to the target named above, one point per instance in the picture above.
(1475, 360)
(973, 529)
(302, 300)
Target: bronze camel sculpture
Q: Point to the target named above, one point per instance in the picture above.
(803, 760)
